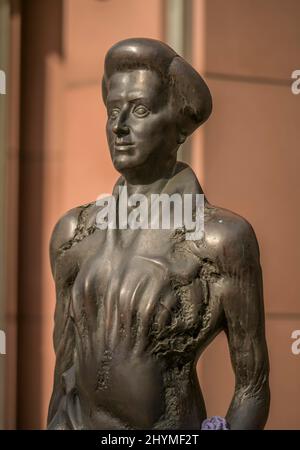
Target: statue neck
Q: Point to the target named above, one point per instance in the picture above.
(151, 175)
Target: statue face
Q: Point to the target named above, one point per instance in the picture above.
(140, 128)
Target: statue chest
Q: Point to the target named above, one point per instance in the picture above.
(141, 308)
(142, 289)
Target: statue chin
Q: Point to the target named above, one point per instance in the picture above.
(124, 162)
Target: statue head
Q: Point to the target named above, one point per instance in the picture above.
(154, 100)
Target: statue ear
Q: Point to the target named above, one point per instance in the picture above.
(181, 138)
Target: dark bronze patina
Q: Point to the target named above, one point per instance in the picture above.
(136, 308)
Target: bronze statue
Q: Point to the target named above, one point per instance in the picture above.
(136, 307)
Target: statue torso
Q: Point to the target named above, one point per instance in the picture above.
(142, 314)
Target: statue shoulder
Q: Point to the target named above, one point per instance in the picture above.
(231, 236)
(68, 226)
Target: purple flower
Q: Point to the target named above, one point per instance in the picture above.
(215, 423)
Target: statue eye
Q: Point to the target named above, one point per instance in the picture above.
(113, 114)
(141, 111)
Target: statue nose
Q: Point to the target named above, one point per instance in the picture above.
(120, 130)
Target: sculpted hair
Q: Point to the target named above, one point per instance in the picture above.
(188, 91)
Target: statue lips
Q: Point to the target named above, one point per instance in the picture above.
(122, 145)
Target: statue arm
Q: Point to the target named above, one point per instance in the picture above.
(63, 336)
(242, 299)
